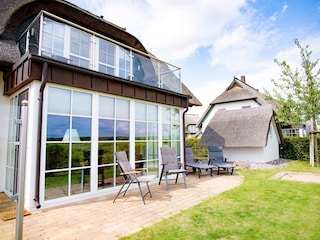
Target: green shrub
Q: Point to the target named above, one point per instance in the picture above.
(295, 148)
(196, 149)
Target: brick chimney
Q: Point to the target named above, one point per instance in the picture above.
(243, 79)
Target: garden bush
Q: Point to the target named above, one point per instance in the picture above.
(295, 148)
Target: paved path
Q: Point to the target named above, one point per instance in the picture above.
(100, 218)
(298, 176)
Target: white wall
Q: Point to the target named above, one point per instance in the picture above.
(271, 151)
(32, 137)
(243, 154)
(4, 121)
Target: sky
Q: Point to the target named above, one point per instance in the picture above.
(214, 41)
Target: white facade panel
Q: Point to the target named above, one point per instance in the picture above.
(4, 106)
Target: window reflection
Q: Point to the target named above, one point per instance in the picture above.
(153, 150)
(80, 181)
(106, 107)
(57, 156)
(122, 130)
(57, 127)
(141, 130)
(141, 111)
(166, 115)
(106, 129)
(141, 150)
(152, 131)
(82, 103)
(166, 131)
(106, 153)
(105, 177)
(56, 185)
(83, 126)
(175, 132)
(59, 100)
(81, 154)
(153, 113)
(122, 107)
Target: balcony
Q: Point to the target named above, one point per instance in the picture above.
(63, 41)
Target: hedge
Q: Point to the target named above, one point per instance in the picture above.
(295, 148)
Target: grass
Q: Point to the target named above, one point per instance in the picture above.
(260, 208)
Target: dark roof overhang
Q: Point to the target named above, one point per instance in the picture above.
(29, 68)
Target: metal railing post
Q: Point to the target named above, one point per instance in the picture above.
(21, 170)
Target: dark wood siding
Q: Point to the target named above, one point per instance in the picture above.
(30, 69)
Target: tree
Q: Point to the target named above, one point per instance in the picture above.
(297, 94)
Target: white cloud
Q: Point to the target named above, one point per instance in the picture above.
(236, 37)
(172, 30)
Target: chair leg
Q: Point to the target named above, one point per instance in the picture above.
(167, 184)
(120, 191)
(162, 170)
(184, 179)
(148, 190)
(177, 178)
(142, 196)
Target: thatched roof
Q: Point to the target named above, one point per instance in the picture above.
(9, 53)
(246, 127)
(237, 91)
(193, 101)
(191, 119)
(16, 12)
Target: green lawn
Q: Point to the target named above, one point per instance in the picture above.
(260, 208)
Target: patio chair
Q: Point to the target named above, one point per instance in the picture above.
(217, 159)
(130, 176)
(170, 165)
(190, 162)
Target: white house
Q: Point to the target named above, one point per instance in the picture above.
(92, 89)
(242, 122)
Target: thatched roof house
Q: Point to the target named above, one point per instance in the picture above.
(242, 122)
(237, 91)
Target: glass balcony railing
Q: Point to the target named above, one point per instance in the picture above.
(59, 39)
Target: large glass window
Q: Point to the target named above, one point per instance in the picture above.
(171, 128)
(12, 164)
(80, 146)
(114, 135)
(124, 63)
(53, 38)
(146, 137)
(80, 48)
(68, 147)
(107, 57)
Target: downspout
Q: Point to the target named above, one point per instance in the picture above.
(38, 163)
(184, 135)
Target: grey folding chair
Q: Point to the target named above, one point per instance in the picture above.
(217, 159)
(130, 176)
(190, 162)
(170, 165)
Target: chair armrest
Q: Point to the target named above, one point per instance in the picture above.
(140, 169)
(128, 173)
